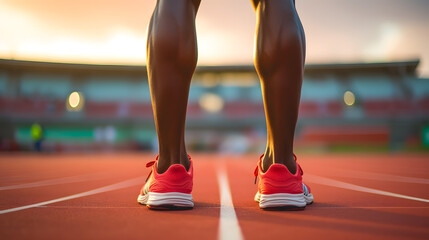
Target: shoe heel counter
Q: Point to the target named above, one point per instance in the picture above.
(278, 179)
(175, 179)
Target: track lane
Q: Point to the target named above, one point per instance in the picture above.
(374, 171)
(336, 213)
(116, 214)
(112, 171)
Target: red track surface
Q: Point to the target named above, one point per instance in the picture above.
(337, 213)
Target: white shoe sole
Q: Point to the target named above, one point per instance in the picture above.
(283, 200)
(167, 200)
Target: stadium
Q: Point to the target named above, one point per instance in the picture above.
(349, 105)
(97, 140)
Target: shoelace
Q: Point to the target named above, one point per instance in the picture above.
(256, 172)
(150, 164)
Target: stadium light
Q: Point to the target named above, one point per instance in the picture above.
(75, 101)
(211, 102)
(349, 98)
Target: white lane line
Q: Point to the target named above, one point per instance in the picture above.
(383, 177)
(313, 207)
(63, 180)
(228, 223)
(344, 185)
(119, 185)
(345, 207)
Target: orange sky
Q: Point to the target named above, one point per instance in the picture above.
(113, 31)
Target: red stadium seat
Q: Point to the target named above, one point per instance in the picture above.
(378, 108)
(334, 108)
(390, 108)
(194, 111)
(243, 109)
(423, 106)
(30, 108)
(310, 109)
(140, 110)
(101, 109)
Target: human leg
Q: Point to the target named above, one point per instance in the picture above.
(171, 58)
(279, 60)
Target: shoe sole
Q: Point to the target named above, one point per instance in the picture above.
(167, 201)
(283, 201)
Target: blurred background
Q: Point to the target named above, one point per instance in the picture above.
(73, 77)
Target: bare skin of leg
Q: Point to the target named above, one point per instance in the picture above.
(279, 60)
(171, 61)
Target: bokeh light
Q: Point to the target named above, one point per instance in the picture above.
(75, 101)
(349, 98)
(211, 102)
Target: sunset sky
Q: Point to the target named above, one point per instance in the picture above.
(114, 31)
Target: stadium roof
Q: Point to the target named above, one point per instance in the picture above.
(408, 67)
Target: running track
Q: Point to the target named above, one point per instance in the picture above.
(93, 196)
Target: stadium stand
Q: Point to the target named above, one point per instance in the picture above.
(385, 95)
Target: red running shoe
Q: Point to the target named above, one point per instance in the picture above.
(278, 188)
(169, 190)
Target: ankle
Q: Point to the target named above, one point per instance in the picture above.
(165, 161)
(287, 160)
